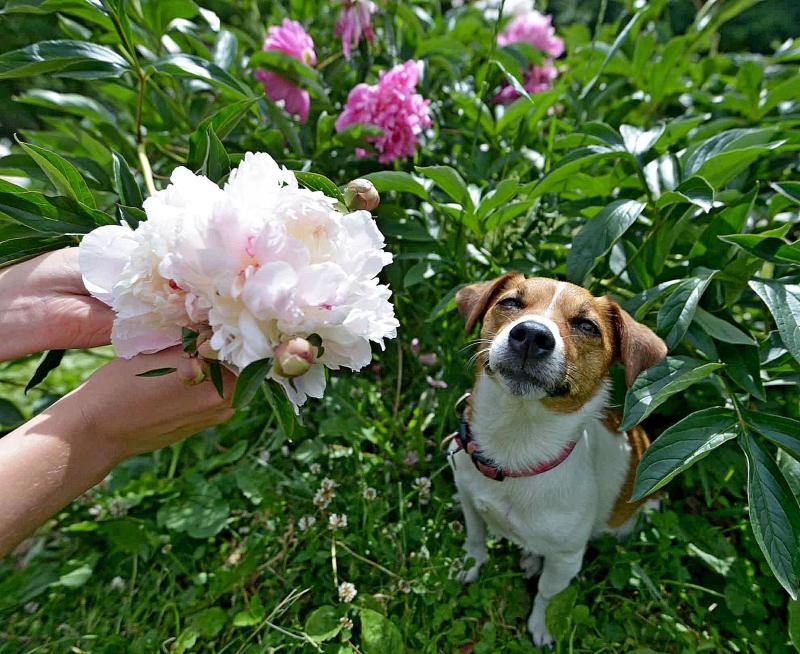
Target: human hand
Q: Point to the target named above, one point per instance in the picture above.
(128, 415)
(45, 306)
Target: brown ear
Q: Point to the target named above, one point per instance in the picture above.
(474, 300)
(636, 346)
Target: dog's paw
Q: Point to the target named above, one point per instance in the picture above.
(537, 627)
(468, 570)
(531, 564)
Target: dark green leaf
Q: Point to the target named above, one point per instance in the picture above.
(189, 340)
(655, 385)
(65, 58)
(774, 514)
(598, 235)
(249, 381)
(677, 313)
(391, 180)
(681, 446)
(157, 372)
(450, 181)
(784, 432)
(50, 361)
(215, 371)
(323, 624)
(742, 365)
(183, 65)
(317, 182)
(694, 190)
(64, 176)
(720, 329)
(790, 190)
(783, 302)
(127, 189)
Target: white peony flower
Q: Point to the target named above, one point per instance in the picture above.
(261, 261)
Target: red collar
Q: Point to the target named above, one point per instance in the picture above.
(491, 470)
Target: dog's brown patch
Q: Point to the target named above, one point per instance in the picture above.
(639, 442)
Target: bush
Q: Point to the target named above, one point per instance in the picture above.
(655, 169)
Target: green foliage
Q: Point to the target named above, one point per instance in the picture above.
(658, 170)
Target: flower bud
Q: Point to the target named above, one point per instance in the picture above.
(293, 357)
(361, 194)
(191, 370)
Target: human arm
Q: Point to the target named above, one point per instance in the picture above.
(74, 444)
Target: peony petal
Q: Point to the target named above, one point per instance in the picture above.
(104, 252)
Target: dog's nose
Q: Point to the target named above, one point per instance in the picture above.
(531, 339)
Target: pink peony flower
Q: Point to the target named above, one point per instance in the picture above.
(392, 105)
(537, 30)
(534, 28)
(290, 38)
(354, 22)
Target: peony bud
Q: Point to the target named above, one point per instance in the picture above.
(294, 357)
(191, 370)
(361, 194)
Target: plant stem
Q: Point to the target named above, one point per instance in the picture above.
(147, 171)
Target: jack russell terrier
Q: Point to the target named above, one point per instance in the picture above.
(537, 421)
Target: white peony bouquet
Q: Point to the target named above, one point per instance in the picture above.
(260, 269)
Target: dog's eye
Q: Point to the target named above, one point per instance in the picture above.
(586, 326)
(510, 303)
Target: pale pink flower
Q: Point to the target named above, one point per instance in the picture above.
(537, 30)
(394, 107)
(354, 21)
(288, 37)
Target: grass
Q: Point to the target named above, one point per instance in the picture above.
(201, 547)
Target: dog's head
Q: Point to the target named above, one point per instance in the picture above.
(554, 340)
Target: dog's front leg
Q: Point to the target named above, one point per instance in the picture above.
(475, 545)
(558, 570)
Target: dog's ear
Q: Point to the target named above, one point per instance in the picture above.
(474, 300)
(636, 346)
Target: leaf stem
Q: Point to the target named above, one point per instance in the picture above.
(147, 171)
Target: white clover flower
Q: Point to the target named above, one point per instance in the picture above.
(305, 522)
(337, 521)
(369, 493)
(261, 261)
(117, 583)
(263, 457)
(423, 486)
(328, 484)
(346, 623)
(315, 468)
(323, 498)
(31, 607)
(403, 586)
(347, 592)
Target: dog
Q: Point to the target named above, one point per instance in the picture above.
(538, 458)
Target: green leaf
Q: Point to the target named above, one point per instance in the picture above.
(720, 329)
(200, 514)
(743, 366)
(794, 624)
(681, 446)
(573, 162)
(323, 624)
(65, 58)
(639, 141)
(726, 154)
(768, 245)
(450, 181)
(784, 432)
(215, 371)
(10, 415)
(774, 514)
(20, 249)
(249, 381)
(183, 65)
(790, 190)
(677, 313)
(71, 103)
(500, 196)
(395, 180)
(157, 372)
(50, 215)
(783, 302)
(317, 182)
(50, 361)
(209, 622)
(64, 176)
(558, 612)
(598, 236)
(76, 578)
(125, 183)
(291, 69)
(189, 340)
(694, 190)
(655, 385)
(379, 635)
